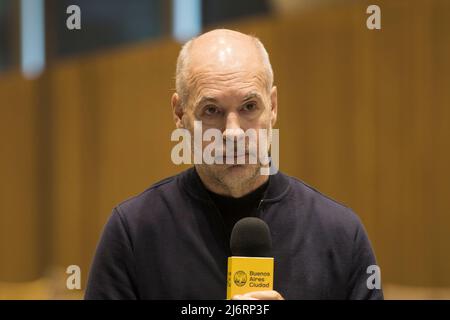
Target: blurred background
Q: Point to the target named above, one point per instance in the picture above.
(364, 116)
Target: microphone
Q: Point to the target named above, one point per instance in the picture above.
(250, 268)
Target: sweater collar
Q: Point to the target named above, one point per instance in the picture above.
(190, 181)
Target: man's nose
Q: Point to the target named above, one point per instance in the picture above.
(233, 130)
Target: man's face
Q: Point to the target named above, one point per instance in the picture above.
(230, 100)
(228, 89)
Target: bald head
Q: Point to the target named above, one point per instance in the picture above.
(225, 82)
(221, 51)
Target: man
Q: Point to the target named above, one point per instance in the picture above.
(172, 241)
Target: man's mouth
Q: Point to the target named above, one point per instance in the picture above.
(233, 158)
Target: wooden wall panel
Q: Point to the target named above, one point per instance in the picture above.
(68, 175)
(438, 180)
(20, 232)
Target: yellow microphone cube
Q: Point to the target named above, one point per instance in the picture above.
(247, 274)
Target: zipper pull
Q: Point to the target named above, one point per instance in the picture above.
(260, 203)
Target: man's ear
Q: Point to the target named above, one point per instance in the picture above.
(177, 110)
(274, 104)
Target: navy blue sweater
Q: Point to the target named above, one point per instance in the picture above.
(170, 242)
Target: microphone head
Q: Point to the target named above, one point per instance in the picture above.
(250, 237)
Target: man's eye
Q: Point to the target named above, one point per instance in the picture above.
(211, 110)
(249, 107)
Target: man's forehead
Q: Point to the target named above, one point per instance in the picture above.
(226, 73)
(216, 97)
(214, 85)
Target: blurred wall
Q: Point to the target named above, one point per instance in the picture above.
(363, 117)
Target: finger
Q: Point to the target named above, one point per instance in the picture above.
(242, 297)
(264, 295)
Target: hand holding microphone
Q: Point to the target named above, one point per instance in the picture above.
(250, 269)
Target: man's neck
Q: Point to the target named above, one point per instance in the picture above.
(237, 191)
